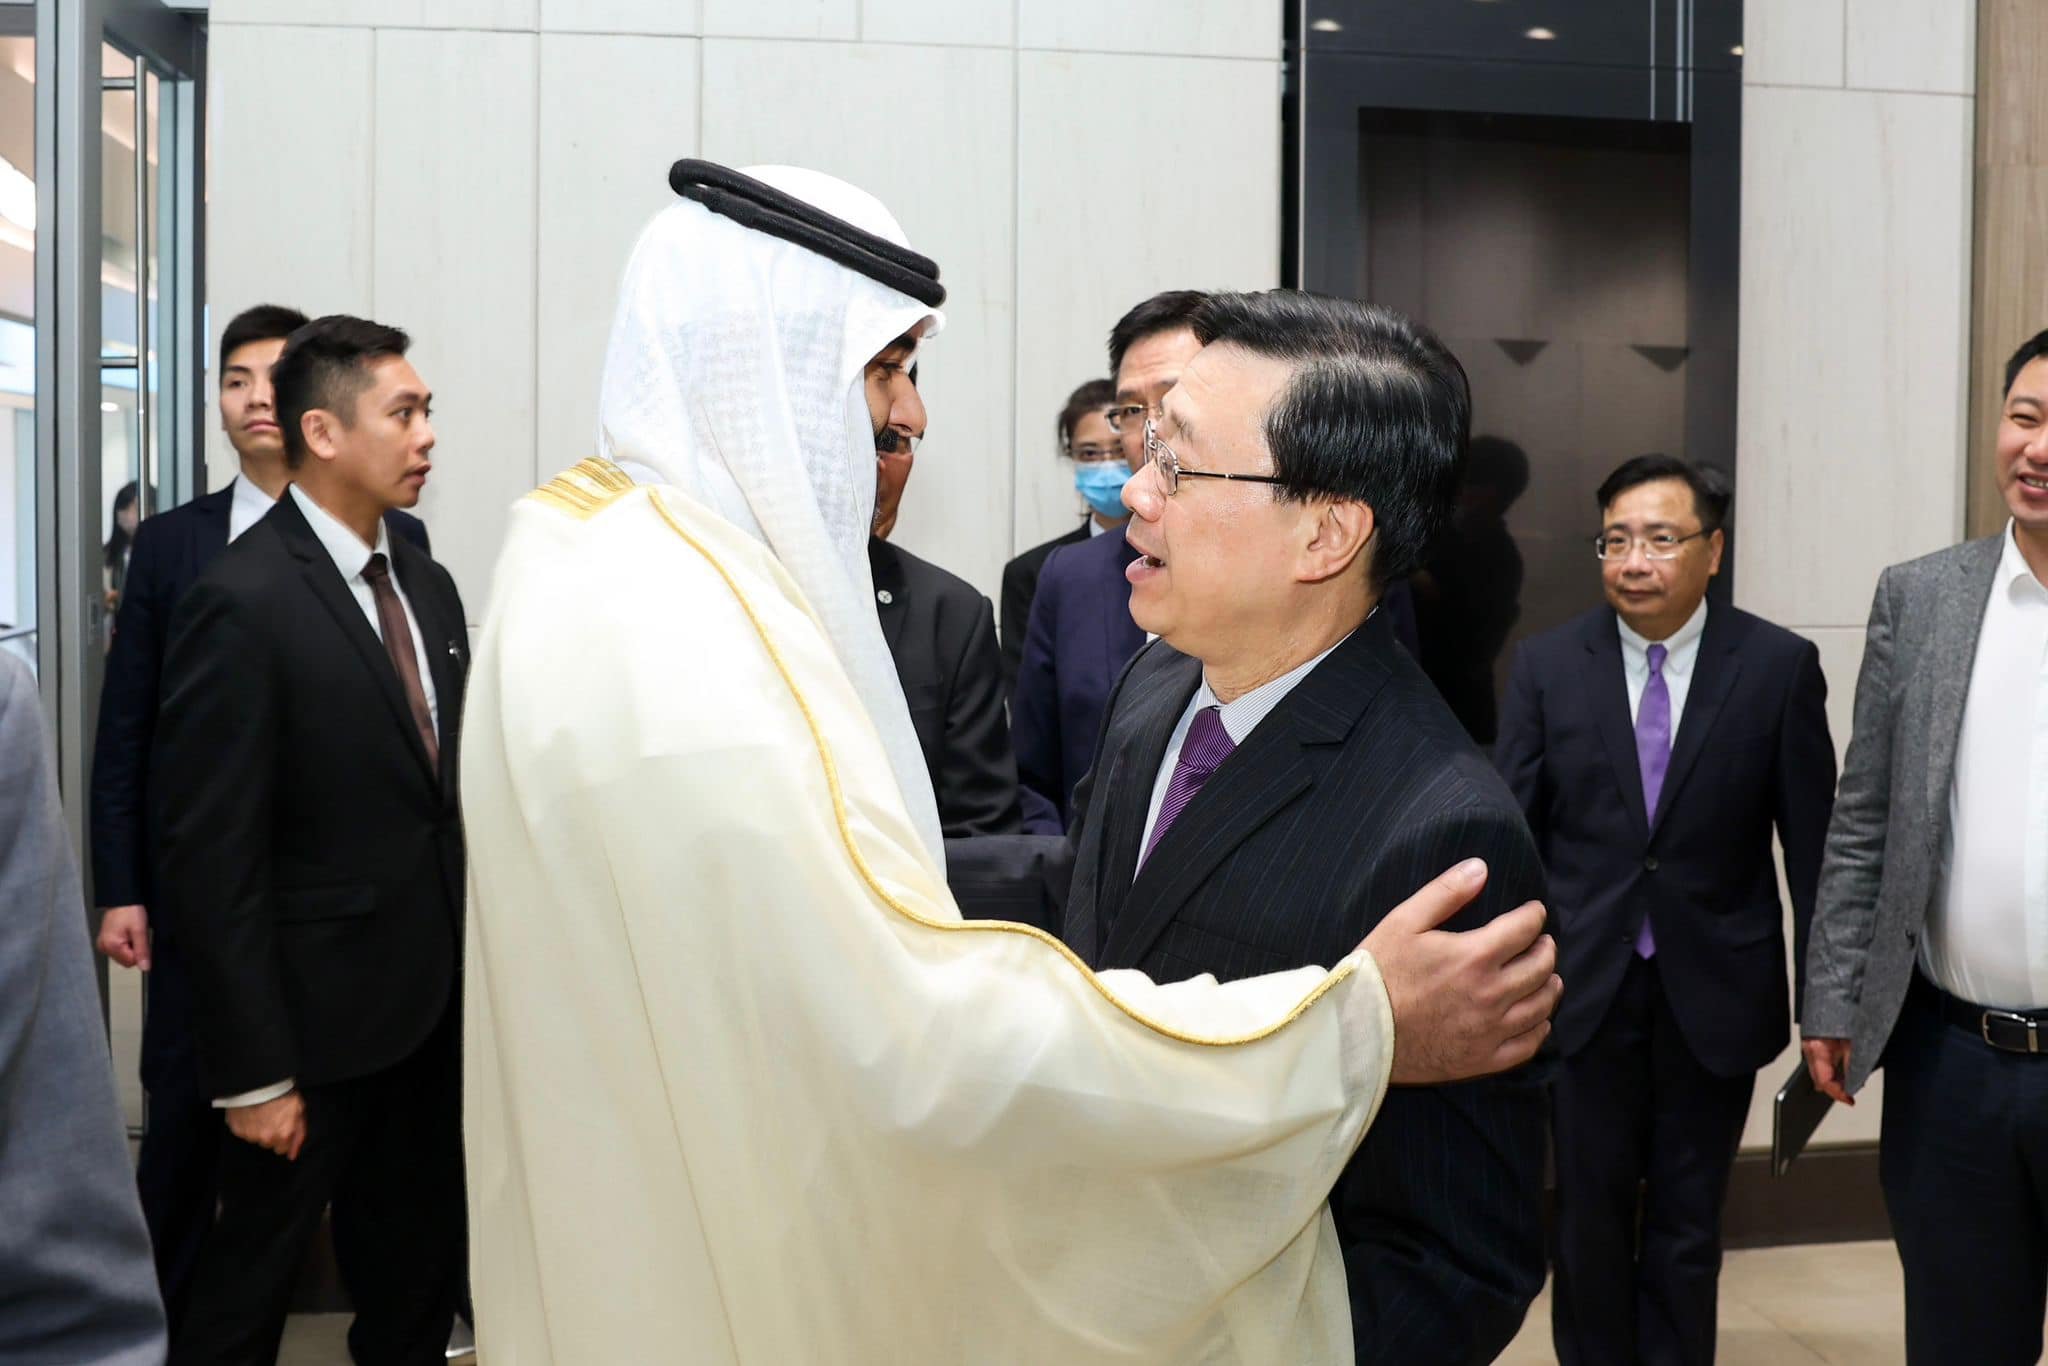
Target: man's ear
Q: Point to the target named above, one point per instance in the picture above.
(317, 427)
(1338, 531)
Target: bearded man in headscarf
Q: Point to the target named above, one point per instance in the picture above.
(741, 1086)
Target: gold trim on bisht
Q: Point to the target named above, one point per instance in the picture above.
(585, 490)
(895, 903)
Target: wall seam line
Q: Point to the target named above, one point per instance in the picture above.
(376, 72)
(1177, 55)
(1016, 271)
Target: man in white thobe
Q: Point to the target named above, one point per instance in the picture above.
(741, 1086)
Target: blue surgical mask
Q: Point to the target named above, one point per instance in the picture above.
(1102, 483)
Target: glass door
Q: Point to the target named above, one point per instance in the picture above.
(112, 433)
(18, 485)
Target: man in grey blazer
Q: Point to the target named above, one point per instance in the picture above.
(76, 1281)
(1929, 946)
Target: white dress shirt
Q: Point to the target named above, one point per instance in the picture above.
(1239, 718)
(1681, 652)
(351, 557)
(1987, 927)
(249, 506)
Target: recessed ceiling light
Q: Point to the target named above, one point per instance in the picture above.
(1539, 35)
(1327, 26)
(1735, 51)
(110, 407)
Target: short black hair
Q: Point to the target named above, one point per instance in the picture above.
(1095, 396)
(326, 365)
(1377, 410)
(1168, 312)
(1710, 489)
(264, 322)
(2031, 350)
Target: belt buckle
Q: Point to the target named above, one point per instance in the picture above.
(2033, 1029)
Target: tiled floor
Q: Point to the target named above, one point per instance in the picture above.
(1787, 1306)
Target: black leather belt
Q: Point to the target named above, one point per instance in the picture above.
(2010, 1031)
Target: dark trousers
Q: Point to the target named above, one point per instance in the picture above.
(1645, 1141)
(176, 1170)
(386, 1150)
(1964, 1164)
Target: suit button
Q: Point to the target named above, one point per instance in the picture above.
(885, 597)
(1649, 865)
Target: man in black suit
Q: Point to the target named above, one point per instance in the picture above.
(1276, 773)
(942, 636)
(181, 1143)
(1654, 744)
(311, 868)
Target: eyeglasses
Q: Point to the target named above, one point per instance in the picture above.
(1130, 417)
(1096, 455)
(1659, 545)
(1170, 472)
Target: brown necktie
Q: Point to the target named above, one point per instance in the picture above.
(398, 644)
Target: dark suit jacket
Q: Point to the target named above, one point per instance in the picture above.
(1020, 585)
(1079, 638)
(311, 859)
(1752, 752)
(943, 637)
(1357, 789)
(171, 550)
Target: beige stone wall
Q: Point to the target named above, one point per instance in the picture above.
(1855, 373)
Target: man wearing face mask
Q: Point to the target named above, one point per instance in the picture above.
(1080, 633)
(942, 635)
(1087, 439)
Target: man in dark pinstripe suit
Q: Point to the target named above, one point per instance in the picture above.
(1276, 773)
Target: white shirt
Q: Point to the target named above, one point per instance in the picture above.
(1239, 718)
(1681, 652)
(351, 557)
(249, 506)
(1987, 928)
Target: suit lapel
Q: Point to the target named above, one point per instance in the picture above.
(1713, 677)
(892, 603)
(446, 645)
(1608, 696)
(213, 512)
(1153, 712)
(1272, 768)
(1959, 617)
(318, 570)
(209, 534)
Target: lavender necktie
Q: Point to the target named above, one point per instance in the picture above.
(1653, 753)
(1206, 747)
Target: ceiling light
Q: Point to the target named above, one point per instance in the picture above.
(1327, 26)
(1735, 51)
(110, 407)
(1539, 35)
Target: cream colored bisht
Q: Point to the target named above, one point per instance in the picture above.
(740, 1086)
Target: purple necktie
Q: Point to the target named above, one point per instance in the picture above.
(1206, 747)
(1653, 753)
